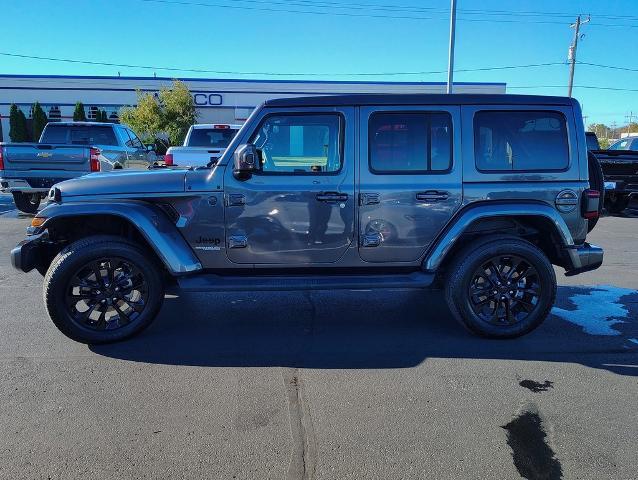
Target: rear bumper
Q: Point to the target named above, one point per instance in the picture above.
(30, 184)
(584, 258)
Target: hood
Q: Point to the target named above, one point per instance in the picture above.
(125, 183)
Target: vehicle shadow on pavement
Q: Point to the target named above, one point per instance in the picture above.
(370, 330)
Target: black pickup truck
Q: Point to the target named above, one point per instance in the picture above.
(620, 169)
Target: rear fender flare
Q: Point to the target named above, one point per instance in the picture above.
(471, 214)
(150, 222)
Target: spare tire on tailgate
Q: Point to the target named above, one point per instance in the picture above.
(596, 182)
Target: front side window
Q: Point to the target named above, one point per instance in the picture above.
(520, 141)
(419, 142)
(302, 144)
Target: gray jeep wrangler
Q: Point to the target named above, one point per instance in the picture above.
(478, 194)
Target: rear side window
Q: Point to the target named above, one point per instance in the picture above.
(520, 141)
(211, 137)
(410, 142)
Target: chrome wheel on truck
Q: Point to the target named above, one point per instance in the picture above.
(102, 289)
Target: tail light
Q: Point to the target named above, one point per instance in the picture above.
(95, 159)
(168, 159)
(221, 127)
(591, 204)
(1, 158)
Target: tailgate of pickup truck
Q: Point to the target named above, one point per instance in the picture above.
(33, 156)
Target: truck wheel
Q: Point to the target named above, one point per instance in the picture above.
(501, 287)
(102, 289)
(617, 204)
(26, 202)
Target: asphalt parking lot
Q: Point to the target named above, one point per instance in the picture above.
(326, 385)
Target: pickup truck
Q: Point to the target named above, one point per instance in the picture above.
(619, 164)
(67, 150)
(203, 145)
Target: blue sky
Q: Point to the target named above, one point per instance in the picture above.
(338, 39)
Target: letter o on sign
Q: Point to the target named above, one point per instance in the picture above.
(203, 99)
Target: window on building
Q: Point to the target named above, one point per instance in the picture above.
(520, 141)
(304, 144)
(410, 142)
(92, 112)
(54, 113)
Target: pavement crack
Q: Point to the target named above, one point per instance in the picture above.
(304, 452)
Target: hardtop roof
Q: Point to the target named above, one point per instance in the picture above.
(418, 99)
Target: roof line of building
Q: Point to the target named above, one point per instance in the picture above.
(239, 80)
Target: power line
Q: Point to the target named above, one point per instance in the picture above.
(279, 74)
(613, 67)
(369, 15)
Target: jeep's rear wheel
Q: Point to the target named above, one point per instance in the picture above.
(501, 288)
(27, 202)
(102, 289)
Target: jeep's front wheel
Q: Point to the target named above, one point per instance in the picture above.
(501, 288)
(102, 289)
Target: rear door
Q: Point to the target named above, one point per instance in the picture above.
(410, 179)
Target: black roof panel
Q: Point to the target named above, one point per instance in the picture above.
(418, 99)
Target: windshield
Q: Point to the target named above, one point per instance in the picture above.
(211, 137)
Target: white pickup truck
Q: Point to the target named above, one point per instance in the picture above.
(203, 145)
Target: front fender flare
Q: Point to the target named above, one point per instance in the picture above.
(152, 224)
(466, 217)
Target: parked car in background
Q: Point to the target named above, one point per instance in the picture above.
(351, 192)
(67, 150)
(203, 145)
(629, 142)
(619, 164)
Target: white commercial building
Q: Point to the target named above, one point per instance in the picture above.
(217, 100)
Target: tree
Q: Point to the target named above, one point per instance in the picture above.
(169, 113)
(79, 115)
(104, 116)
(17, 125)
(39, 120)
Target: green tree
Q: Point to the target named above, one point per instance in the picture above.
(168, 114)
(39, 121)
(18, 131)
(104, 116)
(79, 115)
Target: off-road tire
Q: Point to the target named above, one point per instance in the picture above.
(596, 182)
(27, 202)
(617, 205)
(80, 253)
(469, 259)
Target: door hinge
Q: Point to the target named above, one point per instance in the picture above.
(235, 199)
(369, 198)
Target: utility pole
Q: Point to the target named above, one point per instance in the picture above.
(450, 65)
(571, 56)
(630, 119)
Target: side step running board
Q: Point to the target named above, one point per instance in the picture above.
(208, 282)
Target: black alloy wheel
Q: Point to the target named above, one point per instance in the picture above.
(504, 290)
(106, 294)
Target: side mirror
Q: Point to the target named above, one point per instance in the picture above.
(246, 161)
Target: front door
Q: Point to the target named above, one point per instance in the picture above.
(411, 179)
(300, 208)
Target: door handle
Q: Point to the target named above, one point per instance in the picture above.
(332, 197)
(432, 196)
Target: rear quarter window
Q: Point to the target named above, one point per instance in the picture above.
(520, 141)
(79, 135)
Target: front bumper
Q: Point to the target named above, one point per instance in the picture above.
(584, 258)
(30, 251)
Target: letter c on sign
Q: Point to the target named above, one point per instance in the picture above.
(200, 99)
